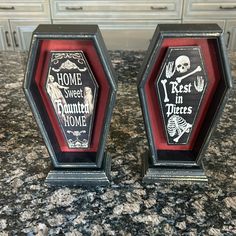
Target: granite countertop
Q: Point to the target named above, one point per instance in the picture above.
(127, 207)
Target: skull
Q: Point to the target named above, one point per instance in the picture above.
(182, 64)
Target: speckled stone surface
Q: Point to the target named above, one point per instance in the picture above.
(127, 207)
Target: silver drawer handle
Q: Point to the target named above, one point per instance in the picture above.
(227, 8)
(15, 40)
(7, 38)
(7, 8)
(158, 8)
(229, 35)
(74, 8)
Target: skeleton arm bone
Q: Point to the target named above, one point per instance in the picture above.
(62, 87)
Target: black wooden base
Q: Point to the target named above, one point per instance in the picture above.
(87, 177)
(153, 174)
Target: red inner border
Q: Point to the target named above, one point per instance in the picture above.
(209, 55)
(93, 59)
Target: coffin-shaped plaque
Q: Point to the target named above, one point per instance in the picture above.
(183, 86)
(71, 88)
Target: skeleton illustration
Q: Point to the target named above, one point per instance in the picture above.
(199, 84)
(78, 142)
(182, 65)
(179, 79)
(177, 125)
(53, 89)
(169, 69)
(88, 99)
(164, 81)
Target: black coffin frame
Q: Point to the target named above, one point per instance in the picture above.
(74, 172)
(168, 165)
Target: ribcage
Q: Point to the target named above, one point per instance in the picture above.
(176, 124)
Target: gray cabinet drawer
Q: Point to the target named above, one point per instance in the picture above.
(230, 31)
(6, 43)
(23, 9)
(170, 9)
(125, 35)
(210, 9)
(220, 22)
(22, 32)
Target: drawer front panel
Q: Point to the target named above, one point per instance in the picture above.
(210, 9)
(116, 9)
(6, 42)
(230, 30)
(220, 22)
(22, 9)
(124, 35)
(22, 32)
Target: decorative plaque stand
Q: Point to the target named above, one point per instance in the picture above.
(70, 86)
(183, 87)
